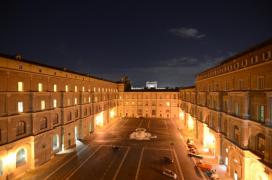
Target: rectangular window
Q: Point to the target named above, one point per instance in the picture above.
(83, 89)
(55, 88)
(260, 82)
(20, 107)
(68, 102)
(54, 103)
(20, 86)
(237, 109)
(75, 100)
(261, 113)
(89, 99)
(66, 88)
(40, 87)
(42, 104)
(75, 88)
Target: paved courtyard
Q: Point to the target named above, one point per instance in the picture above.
(95, 158)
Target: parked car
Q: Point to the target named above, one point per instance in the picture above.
(195, 155)
(168, 160)
(169, 173)
(204, 166)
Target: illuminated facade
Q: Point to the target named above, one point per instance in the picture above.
(149, 103)
(44, 110)
(229, 112)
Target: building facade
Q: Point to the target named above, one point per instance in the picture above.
(44, 110)
(149, 103)
(229, 112)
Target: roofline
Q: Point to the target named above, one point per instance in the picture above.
(53, 67)
(250, 49)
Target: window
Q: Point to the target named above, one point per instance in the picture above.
(55, 119)
(153, 112)
(75, 100)
(40, 87)
(83, 89)
(89, 99)
(20, 86)
(69, 116)
(261, 113)
(54, 103)
(66, 88)
(236, 134)
(42, 104)
(260, 143)
(267, 55)
(68, 102)
(55, 88)
(20, 107)
(43, 123)
(241, 84)
(76, 113)
(237, 109)
(20, 157)
(75, 88)
(20, 128)
(85, 112)
(260, 82)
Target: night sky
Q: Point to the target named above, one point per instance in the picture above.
(166, 41)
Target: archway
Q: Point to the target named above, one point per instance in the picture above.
(55, 144)
(21, 157)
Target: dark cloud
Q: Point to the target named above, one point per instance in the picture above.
(188, 33)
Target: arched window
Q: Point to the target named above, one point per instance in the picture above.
(43, 123)
(20, 157)
(55, 142)
(55, 119)
(260, 143)
(20, 128)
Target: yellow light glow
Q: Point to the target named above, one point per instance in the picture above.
(209, 140)
(190, 123)
(112, 113)
(99, 119)
(168, 104)
(9, 159)
(181, 115)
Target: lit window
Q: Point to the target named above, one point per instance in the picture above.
(40, 87)
(20, 86)
(66, 88)
(54, 103)
(226, 161)
(83, 89)
(75, 88)
(75, 100)
(42, 105)
(89, 99)
(261, 113)
(20, 107)
(167, 104)
(55, 88)
(94, 89)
